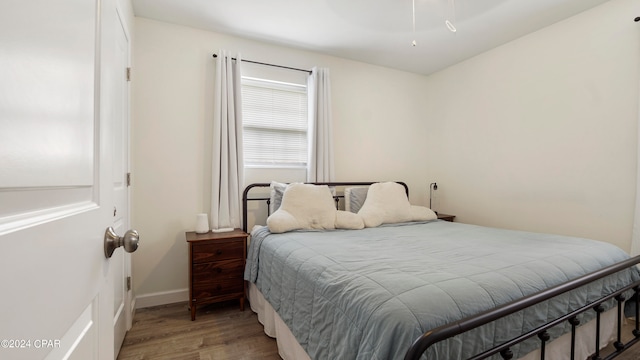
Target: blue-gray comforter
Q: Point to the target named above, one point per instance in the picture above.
(368, 294)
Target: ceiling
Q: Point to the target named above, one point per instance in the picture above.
(373, 31)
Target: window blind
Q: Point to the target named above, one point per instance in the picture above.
(275, 123)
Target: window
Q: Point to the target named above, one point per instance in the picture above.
(275, 123)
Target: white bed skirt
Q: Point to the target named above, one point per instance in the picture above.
(288, 346)
(290, 349)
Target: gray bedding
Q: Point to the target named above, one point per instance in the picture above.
(368, 294)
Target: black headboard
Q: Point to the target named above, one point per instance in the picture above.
(246, 199)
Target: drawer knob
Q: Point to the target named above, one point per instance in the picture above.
(218, 252)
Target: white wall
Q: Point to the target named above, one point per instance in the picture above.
(376, 112)
(541, 134)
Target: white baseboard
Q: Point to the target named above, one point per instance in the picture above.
(161, 298)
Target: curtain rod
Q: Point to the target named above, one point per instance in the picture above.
(261, 63)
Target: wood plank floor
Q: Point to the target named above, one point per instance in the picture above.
(220, 332)
(630, 354)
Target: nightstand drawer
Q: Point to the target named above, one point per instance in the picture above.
(218, 251)
(209, 289)
(218, 270)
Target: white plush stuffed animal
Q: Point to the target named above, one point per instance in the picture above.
(387, 203)
(307, 206)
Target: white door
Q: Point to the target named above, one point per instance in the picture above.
(57, 168)
(121, 260)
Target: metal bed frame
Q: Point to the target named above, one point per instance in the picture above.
(431, 337)
(337, 197)
(458, 327)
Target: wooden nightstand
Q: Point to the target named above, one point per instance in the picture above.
(446, 217)
(216, 267)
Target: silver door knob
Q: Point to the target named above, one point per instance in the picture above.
(112, 241)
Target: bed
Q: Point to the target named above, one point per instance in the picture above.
(431, 289)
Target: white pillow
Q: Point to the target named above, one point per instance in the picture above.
(354, 197)
(387, 203)
(306, 206)
(277, 189)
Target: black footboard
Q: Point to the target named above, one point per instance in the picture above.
(450, 330)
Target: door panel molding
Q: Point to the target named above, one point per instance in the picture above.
(16, 201)
(9, 224)
(81, 341)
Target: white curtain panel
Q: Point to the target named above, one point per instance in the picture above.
(227, 161)
(320, 143)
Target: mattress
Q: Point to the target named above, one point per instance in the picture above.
(368, 294)
(290, 349)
